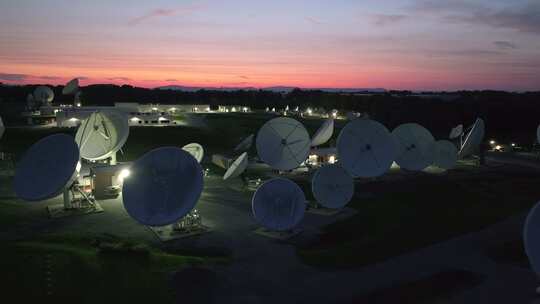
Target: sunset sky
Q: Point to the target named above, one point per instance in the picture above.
(409, 44)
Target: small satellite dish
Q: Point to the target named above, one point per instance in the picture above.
(47, 168)
(474, 138)
(531, 235)
(164, 185)
(366, 148)
(196, 150)
(416, 146)
(237, 167)
(71, 87)
(43, 94)
(283, 143)
(445, 154)
(245, 144)
(324, 133)
(279, 204)
(2, 128)
(332, 186)
(456, 131)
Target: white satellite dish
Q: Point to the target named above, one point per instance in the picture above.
(102, 134)
(366, 148)
(332, 186)
(538, 134)
(283, 143)
(474, 138)
(2, 128)
(324, 133)
(71, 87)
(416, 146)
(47, 168)
(196, 150)
(237, 167)
(456, 131)
(445, 154)
(43, 94)
(164, 185)
(279, 204)
(245, 144)
(531, 235)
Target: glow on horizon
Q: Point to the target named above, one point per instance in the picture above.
(410, 44)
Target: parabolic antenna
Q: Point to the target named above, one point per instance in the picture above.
(416, 146)
(366, 148)
(196, 150)
(283, 143)
(164, 186)
(531, 235)
(47, 168)
(245, 144)
(324, 133)
(102, 134)
(332, 186)
(237, 167)
(456, 131)
(538, 134)
(279, 204)
(71, 87)
(2, 128)
(43, 94)
(445, 154)
(473, 139)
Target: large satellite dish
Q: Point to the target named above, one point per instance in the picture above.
(456, 131)
(531, 235)
(324, 133)
(196, 150)
(279, 204)
(332, 186)
(416, 146)
(164, 186)
(366, 148)
(102, 134)
(44, 94)
(47, 168)
(245, 144)
(237, 167)
(473, 139)
(2, 128)
(283, 143)
(71, 87)
(445, 154)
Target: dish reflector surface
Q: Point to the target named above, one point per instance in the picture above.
(279, 204)
(71, 87)
(283, 143)
(366, 148)
(332, 186)
(47, 168)
(196, 150)
(43, 94)
(531, 235)
(324, 133)
(416, 146)
(245, 144)
(164, 185)
(237, 167)
(445, 154)
(538, 134)
(2, 128)
(473, 139)
(456, 131)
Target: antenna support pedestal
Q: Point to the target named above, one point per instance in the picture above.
(76, 202)
(113, 159)
(189, 225)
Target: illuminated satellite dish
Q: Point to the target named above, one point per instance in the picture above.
(102, 134)
(2, 128)
(416, 146)
(366, 148)
(71, 87)
(237, 167)
(324, 133)
(456, 132)
(531, 235)
(332, 186)
(283, 143)
(43, 94)
(445, 154)
(474, 139)
(196, 150)
(164, 185)
(279, 204)
(47, 168)
(245, 144)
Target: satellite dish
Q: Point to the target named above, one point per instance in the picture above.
(195, 150)
(237, 167)
(456, 131)
(332, 186)
(47, 168)
(164, 186)
(245, 144)
(416, 146)
(473, 139)
(283, 143)
(71, 87)
(324, 133)
(102, 134)
(445, 154)
(366, 148)
(279, 204)
(43, 94)
(2, 128)
(538, 134)
(531, 235)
